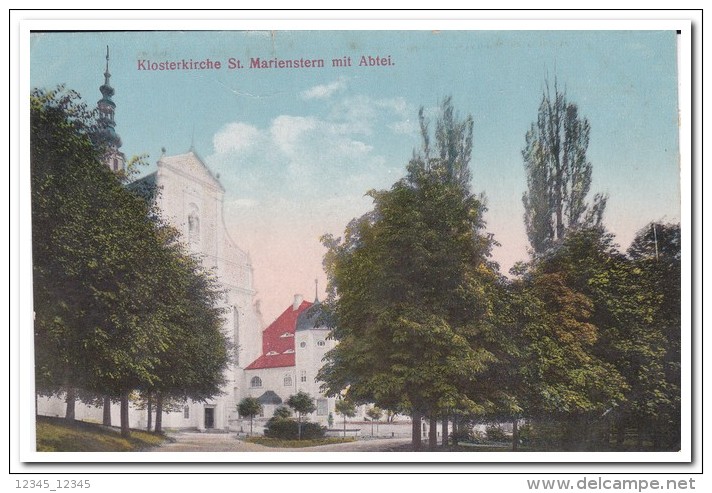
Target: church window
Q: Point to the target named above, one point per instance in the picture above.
(256, 382)
(304, 376)
(322, 407)
(321, 343)
(302, 344)
(287, 380)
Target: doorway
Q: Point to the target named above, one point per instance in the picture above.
(209, 417)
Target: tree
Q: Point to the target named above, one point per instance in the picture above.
(93, 248)
(302, 403)
(558, 173)
(249, 406)
(119, 306)
(347, 409)
(656, 251)
(375, 413)
(409, 288)
(629, 340)
(197, 352)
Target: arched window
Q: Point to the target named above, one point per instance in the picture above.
(288, 380)
(321, 343)
(256, 382)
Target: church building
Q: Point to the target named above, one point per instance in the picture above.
(271, 364)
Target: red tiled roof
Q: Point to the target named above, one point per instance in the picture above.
(278, 338)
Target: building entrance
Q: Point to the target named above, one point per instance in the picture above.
(209, 417)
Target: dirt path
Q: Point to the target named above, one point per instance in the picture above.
(227, 442)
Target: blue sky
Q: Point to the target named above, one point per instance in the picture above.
(296, 149)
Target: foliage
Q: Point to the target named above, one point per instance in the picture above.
(374, 412)
(96, 327)
(119, 306)
(302, 403)
(281, 443)
(495, 433)
(282, 412)
(464, 434)
(289, 429)
(409, 287)
(249, 406)
(656, 252)
(558, 173)
(595, 352)
(345, 408)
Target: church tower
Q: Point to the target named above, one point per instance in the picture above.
(114, 158)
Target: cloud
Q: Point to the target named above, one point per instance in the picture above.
(235, 136)
(323, 91)
(287, 131)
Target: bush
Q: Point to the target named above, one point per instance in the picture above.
(288, 429)
(464, 433)
(496, 434)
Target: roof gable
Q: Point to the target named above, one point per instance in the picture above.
(190, 164)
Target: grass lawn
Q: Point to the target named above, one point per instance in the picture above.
(55, 435)
(279, 443)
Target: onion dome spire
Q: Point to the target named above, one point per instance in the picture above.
(107, 133)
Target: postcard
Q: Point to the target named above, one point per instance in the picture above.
(401, 240)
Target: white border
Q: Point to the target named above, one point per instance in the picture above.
(61, 21)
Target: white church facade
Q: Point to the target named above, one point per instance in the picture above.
(269, 364)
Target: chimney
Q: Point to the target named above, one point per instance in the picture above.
(298, 298)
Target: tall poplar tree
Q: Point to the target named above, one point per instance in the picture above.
(558, 173)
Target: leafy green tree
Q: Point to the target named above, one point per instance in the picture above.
(375, 413)
(410, 288)
(302, 403)
(345, 408)
(558, 173)
(118, 305)
(249, 406)
(656, 251)
(92, 253)
(196, 353)
(623, 306)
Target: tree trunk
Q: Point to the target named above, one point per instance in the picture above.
(454, 430)
(344, 426)
(149, 409)
(106, 418)
(159, 413)
(433, 433)
(620, 434)
(125, 429)
(71, 401)
(416, 433)
(445, 432)
(515, 434)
